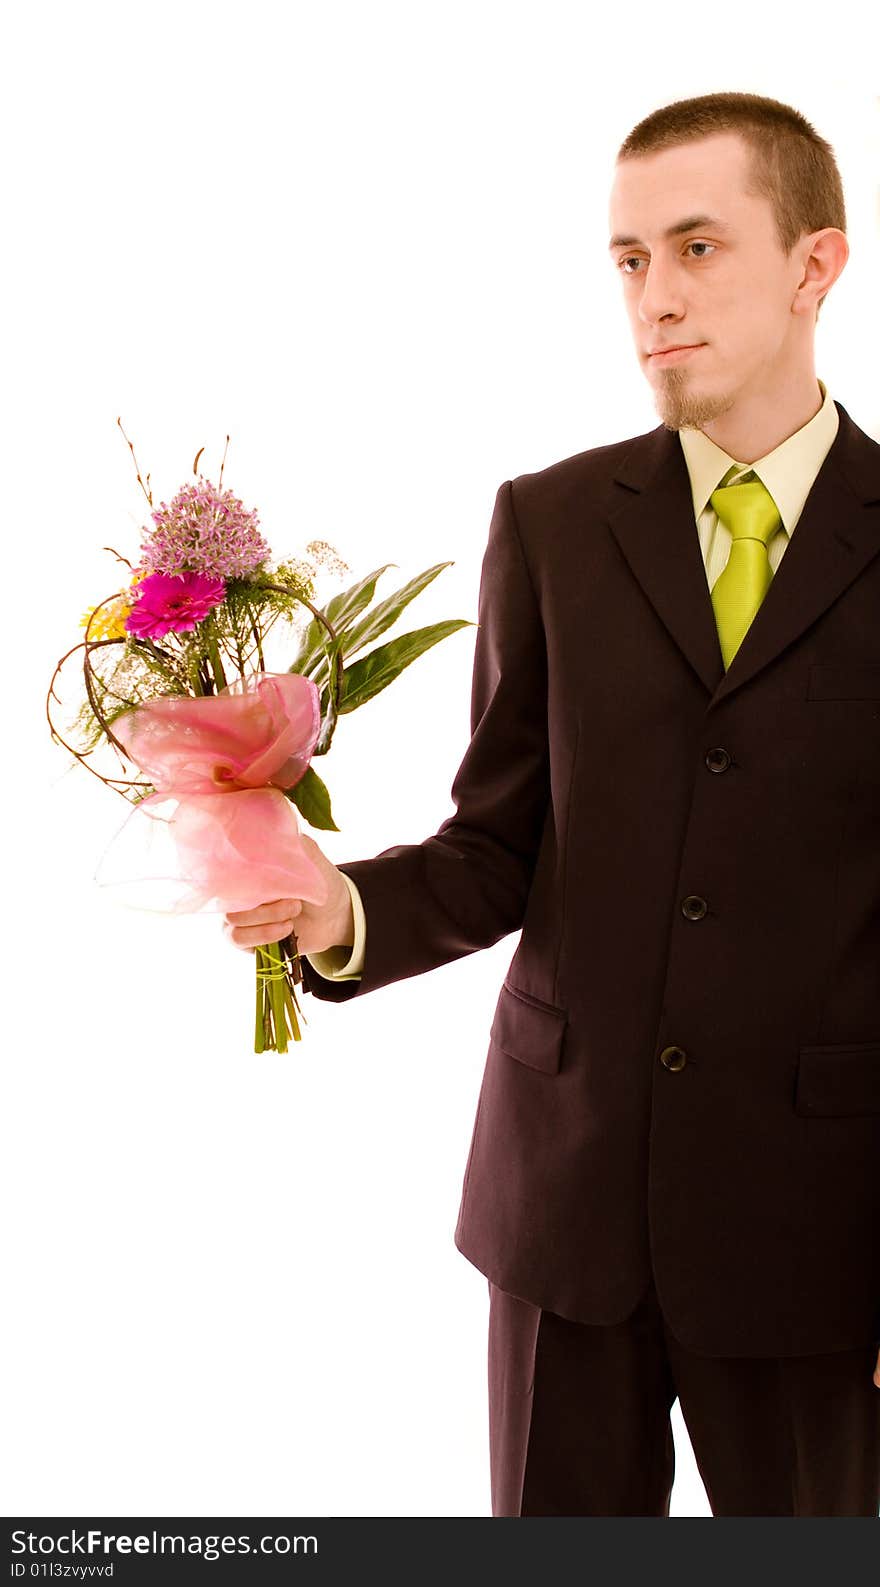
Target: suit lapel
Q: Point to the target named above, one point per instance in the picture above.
(655, 529)
(836, 536)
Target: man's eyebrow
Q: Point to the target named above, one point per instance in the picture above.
(690, 223)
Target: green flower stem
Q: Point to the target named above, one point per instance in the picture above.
(259, 1027)
(277, 995)
(291, 1010)
(276, 1013)
(214, 655)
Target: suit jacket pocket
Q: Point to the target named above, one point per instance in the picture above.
(844, 680)
(529, 1030)
(842, 1079)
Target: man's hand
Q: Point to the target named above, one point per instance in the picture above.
(317, 926)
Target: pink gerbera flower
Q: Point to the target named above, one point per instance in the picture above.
(175, 602)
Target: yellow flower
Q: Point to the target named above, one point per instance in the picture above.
(109, 623)
(110, 620)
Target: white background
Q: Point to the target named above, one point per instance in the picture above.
(369, 242)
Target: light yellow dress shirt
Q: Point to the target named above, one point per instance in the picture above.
(788, 472)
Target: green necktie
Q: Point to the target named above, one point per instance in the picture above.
(751, 515)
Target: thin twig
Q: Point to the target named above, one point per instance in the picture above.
(223, 464)
(110, 782)
(147, 493)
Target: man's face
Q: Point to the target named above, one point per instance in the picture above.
(723, 283)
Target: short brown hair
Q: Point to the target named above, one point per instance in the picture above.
(791, 164)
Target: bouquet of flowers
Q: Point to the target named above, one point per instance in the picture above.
(229, 763)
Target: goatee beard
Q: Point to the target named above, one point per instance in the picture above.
(681, 408)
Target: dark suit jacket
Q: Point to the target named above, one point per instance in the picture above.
(684, 1061)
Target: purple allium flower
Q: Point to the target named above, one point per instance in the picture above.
(204, 531)
(178, 602)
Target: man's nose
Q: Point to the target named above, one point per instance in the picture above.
(659, 298)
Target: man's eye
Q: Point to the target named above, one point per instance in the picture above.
(629, 257)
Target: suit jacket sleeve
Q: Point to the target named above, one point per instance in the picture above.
(467, 885)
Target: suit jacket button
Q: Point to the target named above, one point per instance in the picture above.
(673, 1057)
(717, 759)
(694, 907)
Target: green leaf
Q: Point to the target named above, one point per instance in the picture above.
(340, 610)
(381, 617)
(312, 799)
(373, 673)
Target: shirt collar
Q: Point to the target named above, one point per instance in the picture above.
(788, 471)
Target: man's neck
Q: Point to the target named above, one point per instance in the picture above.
(750, 432)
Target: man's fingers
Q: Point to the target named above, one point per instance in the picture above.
(277, 909)
(270, 922)
(258, 936)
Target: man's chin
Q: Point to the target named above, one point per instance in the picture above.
(681, 409)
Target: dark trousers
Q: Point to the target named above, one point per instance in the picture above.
(579, 1420)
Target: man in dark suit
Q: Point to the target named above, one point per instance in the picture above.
(673, 788)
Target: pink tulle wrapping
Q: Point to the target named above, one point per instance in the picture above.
(218, 764)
